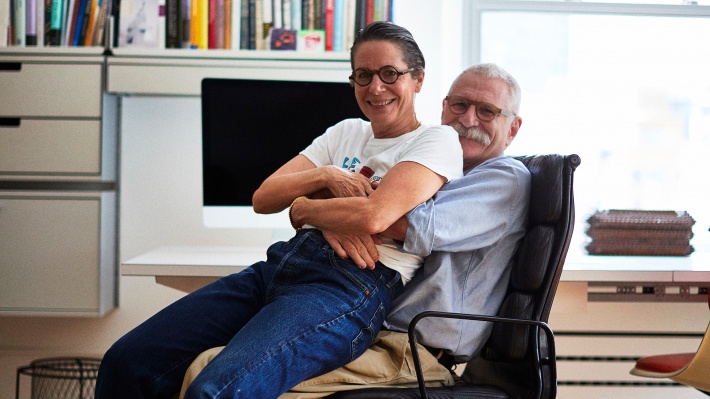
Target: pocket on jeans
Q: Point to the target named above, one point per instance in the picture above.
(362, 278)
(366, 335)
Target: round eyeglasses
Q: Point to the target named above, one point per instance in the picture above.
(388, 74)
(484, 111)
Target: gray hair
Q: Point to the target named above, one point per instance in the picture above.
(493, 71)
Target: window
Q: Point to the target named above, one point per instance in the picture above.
(624, 86)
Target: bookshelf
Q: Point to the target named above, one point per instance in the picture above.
(180, 72)
(289, 25)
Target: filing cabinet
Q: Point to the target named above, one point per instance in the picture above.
(58, 185)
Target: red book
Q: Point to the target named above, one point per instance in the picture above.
(212, 25)
(329, 22)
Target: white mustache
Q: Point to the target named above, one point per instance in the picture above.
(474, 133)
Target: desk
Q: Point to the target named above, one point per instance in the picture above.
(605, 278)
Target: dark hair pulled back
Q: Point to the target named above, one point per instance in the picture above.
(395, 34)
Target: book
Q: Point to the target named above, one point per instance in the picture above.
(219, 24)
(227, 24)
(329, 24)
(212, 24)
(138, 24)
(311, 40)
(283, 39)
(84, 26)
(244, 25)
(19, 22)
(40, 23)
(55, 33)
(77, 21)
(160, 25)
(31, 22)
(101, 23)
(296, 14)
(47, 22)
(350, 26)
(173, 24)
(203, 24)
(185, 37)
(67, 18)
(93, 16)
(251, 18)
(194, 27)
(5, 22)
(338, 24)
(286, 14)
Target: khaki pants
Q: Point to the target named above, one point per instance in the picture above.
(387, 362)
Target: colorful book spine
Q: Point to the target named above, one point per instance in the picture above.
(339, 23)
(185, 23)
(31, 23)
(93, 15)
(19, 22)
(55, 33)
(296, 14)
(77, 20)
(212, 24)
(203, 22)
(329, 24)
(244, 25)
(173, 24)
(227, 24)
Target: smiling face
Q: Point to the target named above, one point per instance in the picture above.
(390, 107)
(481, 140)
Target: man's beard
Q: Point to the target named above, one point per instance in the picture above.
(474, 133)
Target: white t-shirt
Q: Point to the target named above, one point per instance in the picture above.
(351, 145)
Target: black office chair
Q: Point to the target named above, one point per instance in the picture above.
(518, 360)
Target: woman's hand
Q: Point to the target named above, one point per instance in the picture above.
(360, 249)
(343, 184)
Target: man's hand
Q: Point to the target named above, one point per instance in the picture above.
(360, 249)
(343, 184)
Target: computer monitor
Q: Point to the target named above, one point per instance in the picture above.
(252, 127)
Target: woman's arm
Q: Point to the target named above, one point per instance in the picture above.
(300, 176)
(401, 189)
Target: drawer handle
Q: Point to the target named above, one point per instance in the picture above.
(10, 122)
(10, 66)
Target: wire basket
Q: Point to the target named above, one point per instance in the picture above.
(61, 378)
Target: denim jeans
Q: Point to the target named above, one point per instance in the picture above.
(299, 314)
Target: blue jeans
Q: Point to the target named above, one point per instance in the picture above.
(299, 314)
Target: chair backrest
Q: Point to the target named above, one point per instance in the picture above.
(535, 274)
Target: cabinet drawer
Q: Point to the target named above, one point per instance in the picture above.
(51, 147)
(50, 89)
(51, 253)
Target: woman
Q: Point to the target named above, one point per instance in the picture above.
(304, 311)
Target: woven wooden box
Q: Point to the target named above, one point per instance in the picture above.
(635, 232)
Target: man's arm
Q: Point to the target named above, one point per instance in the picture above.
(471, 212)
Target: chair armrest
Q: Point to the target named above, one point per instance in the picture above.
(539, 360)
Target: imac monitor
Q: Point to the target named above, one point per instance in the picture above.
(252, 127)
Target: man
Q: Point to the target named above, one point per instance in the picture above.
(469, 231)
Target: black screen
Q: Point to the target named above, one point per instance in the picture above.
(252, 127)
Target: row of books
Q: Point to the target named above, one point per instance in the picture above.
(54, 22)
(325, 25)
(306, 25)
